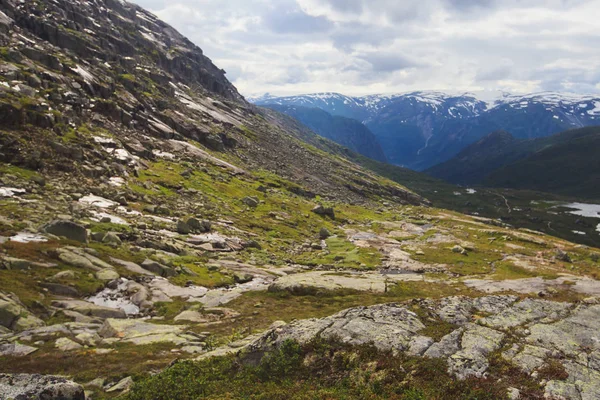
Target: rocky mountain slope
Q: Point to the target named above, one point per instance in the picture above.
(564, 163)
(422, 129)
(150, 217)
(346, 131)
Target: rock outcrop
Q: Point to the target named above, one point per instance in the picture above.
(38, 387)
(535, 332)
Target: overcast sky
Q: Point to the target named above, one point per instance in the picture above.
(382, 46)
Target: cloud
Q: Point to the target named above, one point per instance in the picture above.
(368, 46)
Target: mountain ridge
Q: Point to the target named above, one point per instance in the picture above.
(422, 129)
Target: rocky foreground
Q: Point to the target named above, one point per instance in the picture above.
(529, 333)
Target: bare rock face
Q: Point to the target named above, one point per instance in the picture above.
(34, 387)
(546, 330)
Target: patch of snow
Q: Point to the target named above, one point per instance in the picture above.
(163, 154)
(123, 155)
(97, 201)
(116, 298)
(161, 219)
(88, 77)
(457, 193)
(26, 237)
(99, 216)
(596, 109)
(11, 192)
(471, 191)
(579, 233)
(116, 181)
(104, 140)
(124, 210)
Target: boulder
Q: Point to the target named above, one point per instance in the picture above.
(89, 309)
(324, 211)
(191, 316)
(199, 226)
(15, 316)
(16, 350)
(107, 275)
(60, 290)
(24, 386)
(27, 322)
(251, 201)
(12, 263)
(324, 233)
(140, 332)
(183, 228)
(112, 239)
(563, 256)
(122, 386)
(67, 229)
(66, 344)
(9, 312)
(158, 268)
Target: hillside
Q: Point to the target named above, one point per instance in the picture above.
(346, 131)
(422, 129)
(161, 238)
(473, 164)
(563, 164)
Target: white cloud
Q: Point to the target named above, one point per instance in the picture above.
(368, 46)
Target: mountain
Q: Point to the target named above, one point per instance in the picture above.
(478, 160)
(117, 68)
(564, 163)
(423, 129)
(345, 131)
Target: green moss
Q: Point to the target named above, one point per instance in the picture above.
(200, 275)
(127, 77)
(343, 253)
(4, 52)
(17, 171)
(507, 270)
(475, 262)
(105, 227)
(248, 132)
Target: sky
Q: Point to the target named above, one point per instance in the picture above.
(359, 47)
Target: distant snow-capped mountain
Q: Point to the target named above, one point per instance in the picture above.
(422, 129)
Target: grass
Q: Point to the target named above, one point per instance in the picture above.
(7, 169)
(202, 276)
(84, 366)
(477, 262)
(324, 370)
(341, 252)
(507, 270)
